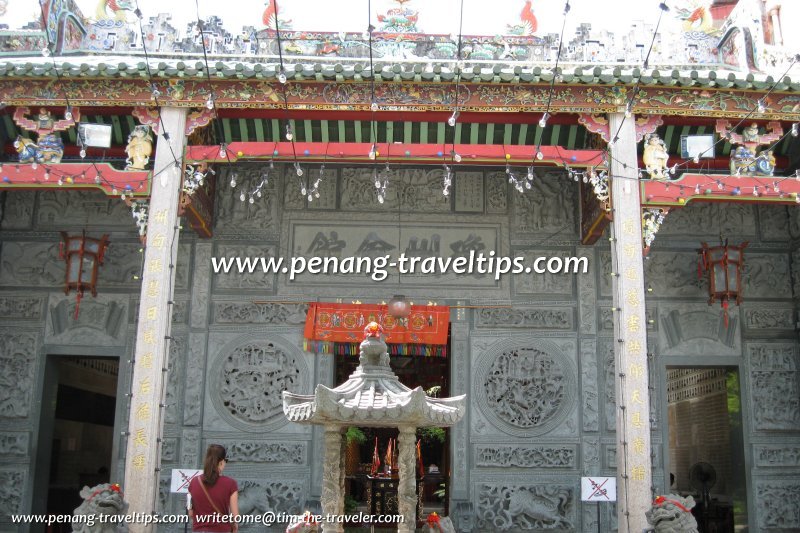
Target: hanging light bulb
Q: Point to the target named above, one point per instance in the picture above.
(303, 190)
(242, 196)
(761, 106)
(673, 169)
(456, 156)
(373, 106)
(34, 165)
(83, 153)
(795, 129)
(720, 186)
(46, 52)
(289, 134)
(46, 175)
(68, 113)
(543, 120)
(372, 153)
(210, 101)
(233, 180)
(223, 151)
(281, 76)
(628, 109)
(155, 91)
(697, 189)
(251, 200)
(696, 159)
(60, 181)
(298, 169)
(530, 173)
(539, 155)
(755, 191)
(453, 118)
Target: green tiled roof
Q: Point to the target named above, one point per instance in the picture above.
(129, 67)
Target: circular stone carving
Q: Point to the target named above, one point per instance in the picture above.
(526, 390)
(250, 380)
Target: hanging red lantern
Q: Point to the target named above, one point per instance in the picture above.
(724, 265)
(83, 255)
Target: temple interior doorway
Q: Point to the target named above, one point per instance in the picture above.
(706, 447)
(432, 373)
(76, 434)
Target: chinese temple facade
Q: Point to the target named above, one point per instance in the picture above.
(643, 184)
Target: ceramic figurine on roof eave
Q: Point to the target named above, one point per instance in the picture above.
(373, 396)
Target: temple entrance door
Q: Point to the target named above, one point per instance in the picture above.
(413, 371)
(76, 432)
(706, 448)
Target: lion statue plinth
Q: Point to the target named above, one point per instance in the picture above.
(672, 514)
(105, 499)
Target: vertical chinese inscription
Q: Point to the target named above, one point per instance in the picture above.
(630, 328)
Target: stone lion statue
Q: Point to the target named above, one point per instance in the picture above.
(438, 524)
(672, 514)
(105, 499)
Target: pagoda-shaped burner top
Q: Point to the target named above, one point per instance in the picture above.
(373, 396)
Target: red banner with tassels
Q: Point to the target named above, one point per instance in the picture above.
(344, 323)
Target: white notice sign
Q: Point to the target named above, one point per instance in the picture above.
(181, 478)
(599, 489)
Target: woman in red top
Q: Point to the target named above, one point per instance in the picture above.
(215, 498)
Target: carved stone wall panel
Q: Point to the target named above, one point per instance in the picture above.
(766, 276)
(711, 218)
(674, 274)
(516, 456)
(258, 279)
(12, 490)
(18, 359)
(175, 379)
(410, 190)
(550, 206)
(497, 193)
(776, 505)
(14, 445)
(291, 188)
(469, 191)
(589, 390)
(698, 329)
(328, 189)
(605, 319)
(604, 272)
(190, 448)
(605, 355)
(169, 450)
(100, 322)
(268, 452)
(774, 386)
(587, 294)
(527, 386)
(18, 212)
(459, 371)
(512, 505)
(238, 312)
(794, 223)
(91, 209)
(21, 307)
(796, 272)
(201, 284)
(33, 264)
(768, 318)
(278, 494)
(245, 380)
(234, 217)
(784, 456)
(590, 449)
(432, 246)
(773, 222)
(531, 318)
(123, 261)
(195, 372)
(547, 284)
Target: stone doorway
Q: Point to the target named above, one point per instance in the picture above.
(706, 447)
(76, 432)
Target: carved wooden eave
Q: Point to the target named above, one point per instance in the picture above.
(113, 182)
(373, 396)
(719, 188)
(99, 81)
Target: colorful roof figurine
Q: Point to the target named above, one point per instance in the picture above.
(373, 396)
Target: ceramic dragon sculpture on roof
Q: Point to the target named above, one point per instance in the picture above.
(117, 8)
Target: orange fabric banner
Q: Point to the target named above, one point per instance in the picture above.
(332, 322)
